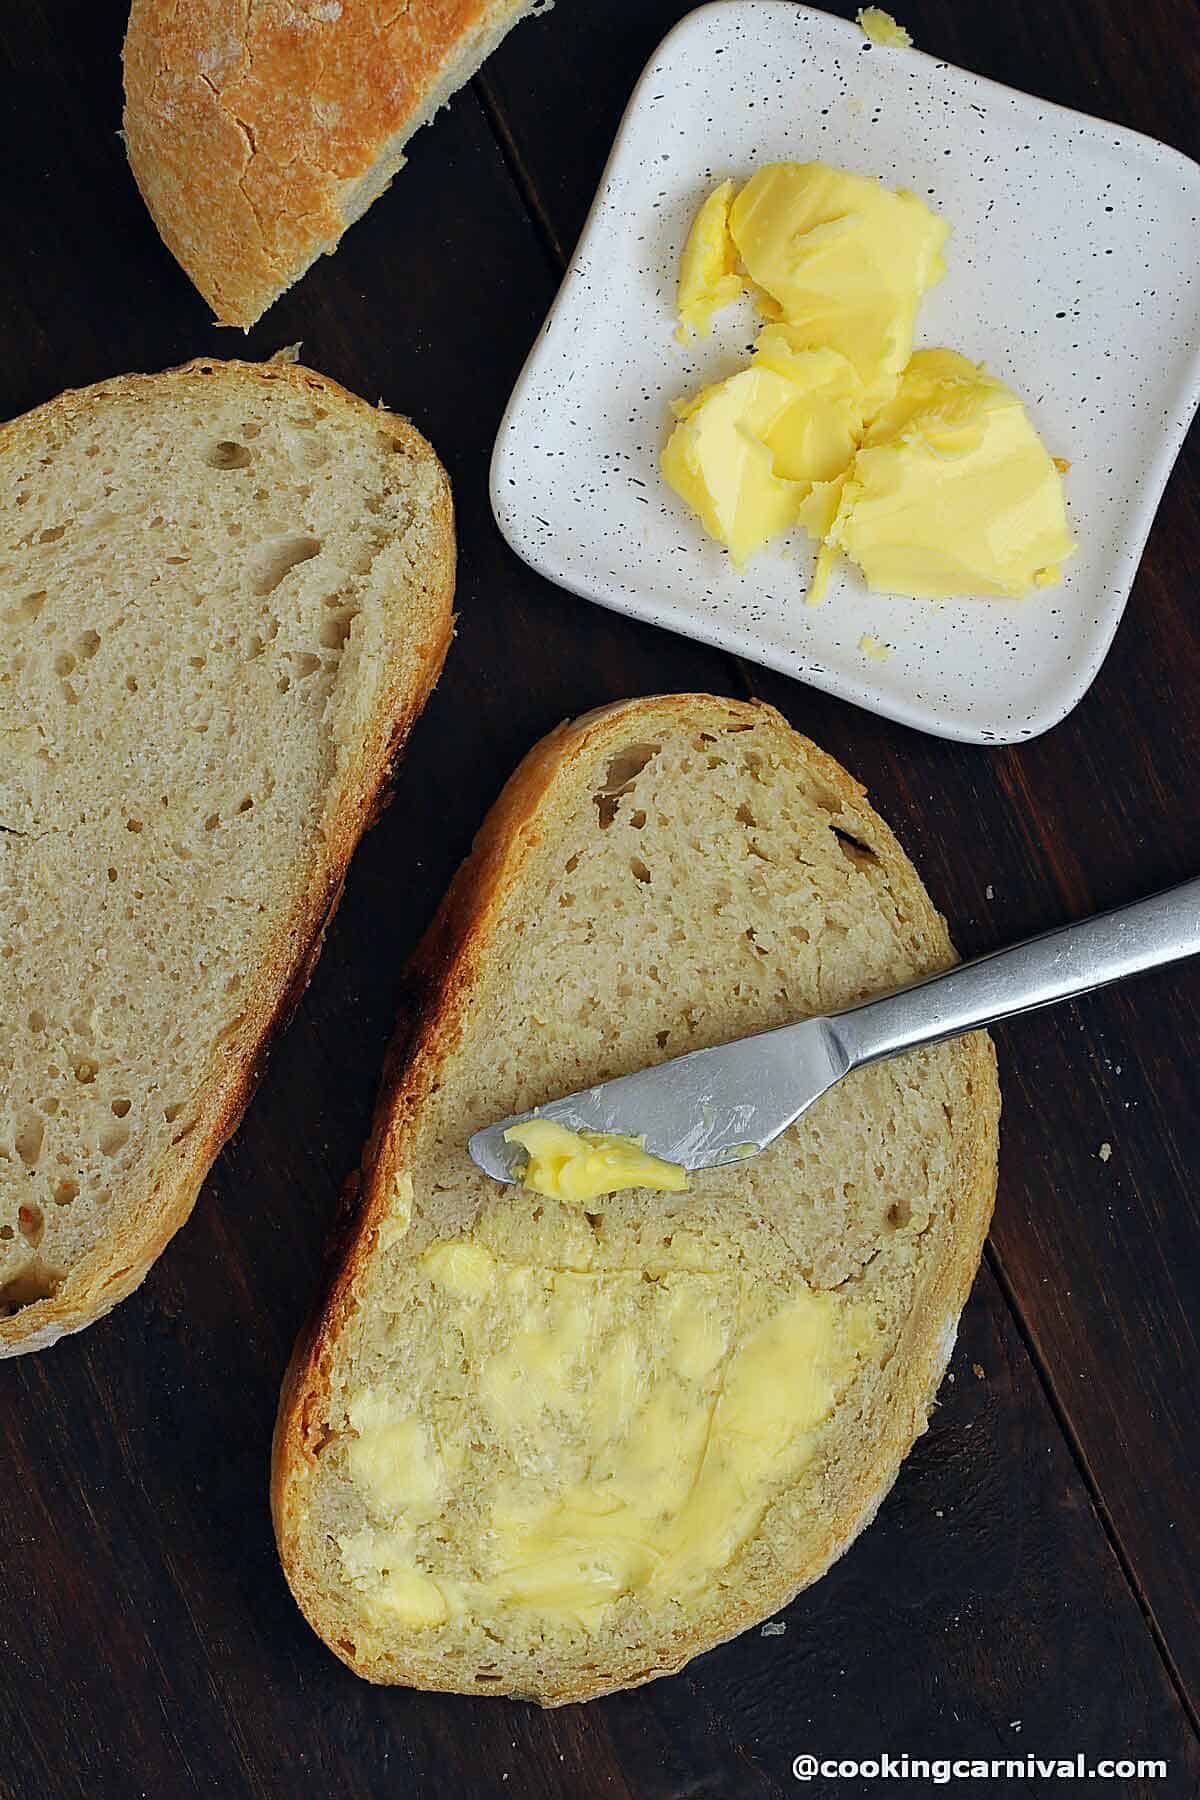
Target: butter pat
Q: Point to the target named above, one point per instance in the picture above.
(921, 468)
(845, 261)
(578, 1166)
(393, 1456)
(882, 29)
(839, 265)
(708, 277)
(415, 1598)
(379, 1565)
(952, 492)
(747, 450)
(461, 1267)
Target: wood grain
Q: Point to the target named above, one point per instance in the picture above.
(147, 1641)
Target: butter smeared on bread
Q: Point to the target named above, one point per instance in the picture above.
(532, 1449)
(226, 593)
(258, 134)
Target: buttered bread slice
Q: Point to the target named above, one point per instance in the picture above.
(544, 1448)
(226, 593)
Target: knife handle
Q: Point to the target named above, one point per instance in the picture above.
(1058, 965)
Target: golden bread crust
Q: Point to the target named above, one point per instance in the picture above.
(257, 132)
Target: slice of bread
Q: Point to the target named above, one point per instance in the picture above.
(226, 594)
(528, 1450)
(257, 135)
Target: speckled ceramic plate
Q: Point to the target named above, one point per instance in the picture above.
(1072, 273)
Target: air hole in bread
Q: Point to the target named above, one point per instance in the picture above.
(64, 664)
(639, 870)
(134, 825)
(305, 663)
(336, 628)
(627, 765)
(28, 1140)
(52, 534)
(898, 1215)
(121, 1107)
(744, 816)
(28, 610)
(37, 1020)
(622, 772)
(853, 849)
(30, 1223)
(171, 1113)
(277, 559)
(227, 455)
(37, 1282)
(89, 643)
(114, 1139)
(65, 1192)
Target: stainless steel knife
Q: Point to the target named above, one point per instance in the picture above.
(728, 1102)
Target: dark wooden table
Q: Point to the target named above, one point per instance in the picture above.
(1031, 1586)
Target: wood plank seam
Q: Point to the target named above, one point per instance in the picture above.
(996, 1264)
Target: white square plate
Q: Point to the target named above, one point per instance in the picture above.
(1072, 273)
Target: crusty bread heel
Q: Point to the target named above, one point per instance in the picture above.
(257, 136)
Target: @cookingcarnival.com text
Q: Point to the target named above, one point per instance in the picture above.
(941, 1770)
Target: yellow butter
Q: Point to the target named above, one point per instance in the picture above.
(414, 1598)
(708, 277)
(747, 450)
(460, 1266)
(578, 1166)
(845, 260)
(393, 1456)
(673, 1495)
(379, 1564)
(393, 1227)
(639, 1420)
(882, 29)
(873, 647)
(952, 491)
